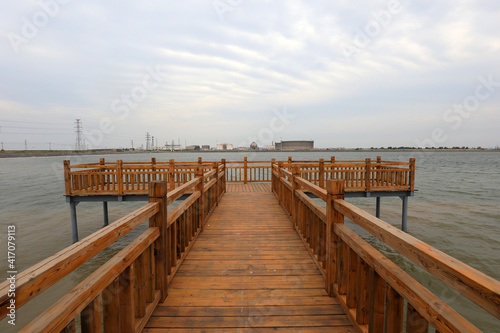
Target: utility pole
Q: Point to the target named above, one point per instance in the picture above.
(148, 138)
(78, 129)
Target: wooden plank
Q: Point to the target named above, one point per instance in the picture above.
(91, 317)
(248, 269)
(394, 305)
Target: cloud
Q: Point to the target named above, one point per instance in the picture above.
(224, 77)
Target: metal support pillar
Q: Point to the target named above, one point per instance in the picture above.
(105, 211)
(377, 210)
(74, 225)
(404, 219)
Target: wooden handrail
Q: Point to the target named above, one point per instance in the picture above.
(38, 278)
(56, 317)
(476, 286)
(370, 287)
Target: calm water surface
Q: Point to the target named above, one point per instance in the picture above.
(456, 209)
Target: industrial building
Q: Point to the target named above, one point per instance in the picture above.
(224, 146)
(295, 145)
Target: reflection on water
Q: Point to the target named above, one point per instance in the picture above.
(456, 209)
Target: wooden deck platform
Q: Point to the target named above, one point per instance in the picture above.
(248, 271)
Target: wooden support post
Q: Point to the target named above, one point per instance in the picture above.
(225, 175)
(321, 173)
(368, 174)
(295, 200)
(200, 161)
(412, 174)
(245, 169)
(290, 163)
(105, 212)
(74, 224)
(377, 207)
(158, 193)
(404, 213)
(335, 190)
(201, 201)
(171, 174)
(119, 176)
(67, 177)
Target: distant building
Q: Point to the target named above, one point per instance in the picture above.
(295, 145)
(224, 146)
(205, 147)
(268, 147)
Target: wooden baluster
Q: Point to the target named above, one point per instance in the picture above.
(111, 306)
(344, 269)
(140, 294)
(415, 323)
(127, 306)
(200, 187)
(148, 282)
(352, 282)
(394, 305)
(335, 190)
(153, 169)
(91, 316)
(363, 293)
(216, 188)
(70, 328)
(295, 199)
(158, 193)
(377, 302)
(245, 168)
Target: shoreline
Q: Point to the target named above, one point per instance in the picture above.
(46, 153)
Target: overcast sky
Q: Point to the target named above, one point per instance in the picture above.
(342, 73)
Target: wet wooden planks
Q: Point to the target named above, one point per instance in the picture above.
(248, 272)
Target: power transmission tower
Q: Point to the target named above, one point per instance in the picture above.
(78, 129)
(148, 138)
(152, 142)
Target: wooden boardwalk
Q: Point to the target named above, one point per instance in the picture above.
(248, 272)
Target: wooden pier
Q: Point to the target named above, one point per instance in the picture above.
(251, 257)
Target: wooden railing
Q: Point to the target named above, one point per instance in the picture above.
(371, 288)
(126, 178)
(121, 295)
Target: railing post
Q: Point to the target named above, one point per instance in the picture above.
(412, 174)
(216, 167)
(368, 174)
(295, 204)
(119, 176)
(335, 190)
(290, 163)
(201, 202)
(245, 169)
(67, 177)
(321, 171)
(273, 181)
(225, 175)
(172, 174)
(280, 185)
(153, 169)
(158, 193)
